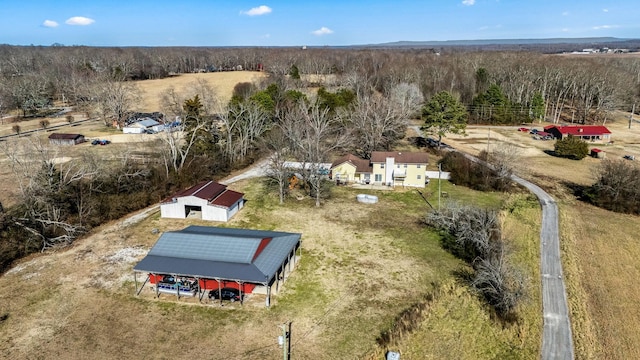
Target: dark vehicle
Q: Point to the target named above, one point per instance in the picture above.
(100, 142)
(227, 294)
(533, 131)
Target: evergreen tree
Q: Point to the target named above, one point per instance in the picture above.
(444, 114)
(202, 130)
(572, 147)
(294, 72)
(537, 106)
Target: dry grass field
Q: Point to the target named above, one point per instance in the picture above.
(361, 266)
(221, 82)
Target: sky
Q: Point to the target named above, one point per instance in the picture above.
(307, 23)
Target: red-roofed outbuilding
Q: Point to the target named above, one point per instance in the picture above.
(593, 133)
(207, 200)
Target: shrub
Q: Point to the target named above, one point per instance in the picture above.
(472, 174)
(571, 147)
(474, 235)
(617, 187)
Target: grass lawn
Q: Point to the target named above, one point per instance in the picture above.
(362, 265)
(601, 252)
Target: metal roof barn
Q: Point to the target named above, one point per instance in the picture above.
(221, 254)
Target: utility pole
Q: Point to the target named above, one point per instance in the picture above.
(488, 140)
(439, 186)
(285, 340)
(633, 110)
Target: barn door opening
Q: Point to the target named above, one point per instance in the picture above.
(191, 211)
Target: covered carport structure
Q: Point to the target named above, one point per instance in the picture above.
(191, 261)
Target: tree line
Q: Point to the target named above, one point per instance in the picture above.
(495, 87)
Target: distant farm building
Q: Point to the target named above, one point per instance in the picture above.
(65, 139)
(593, 133)
(143, 126)
(197, 259)
(207, 200)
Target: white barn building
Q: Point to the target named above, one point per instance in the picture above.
(207, 200)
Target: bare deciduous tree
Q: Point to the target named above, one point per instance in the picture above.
(115, 100)
(377, 123)
(278, 146)
(314, 134)
(44, 177)
(505, 159)
(243, 124)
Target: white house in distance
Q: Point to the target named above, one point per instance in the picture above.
(207, 200)
(142, 126)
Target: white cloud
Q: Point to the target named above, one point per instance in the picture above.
(322, 31)
(565, 30)
(257, 11)
(605, 10)
(565, 13)
(79, 20)
(266, 36)
(605, 27)
(468, 2)
(50, 24)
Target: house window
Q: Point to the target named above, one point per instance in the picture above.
(418, 166)
(398, 166)
(378, 177)
(381, 166)
(419, 177)
(405, 166)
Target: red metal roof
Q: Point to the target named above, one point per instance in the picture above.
(227, 198)
(580, 130)
(207, 190)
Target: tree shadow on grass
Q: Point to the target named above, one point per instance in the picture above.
(463, 276)
(554, 154)
(581, 192)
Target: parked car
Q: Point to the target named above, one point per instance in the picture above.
(533, 131)
(629, 157)
(100, 142)
(227, 294)
(523, 129)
